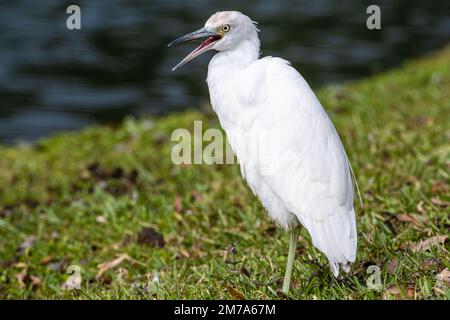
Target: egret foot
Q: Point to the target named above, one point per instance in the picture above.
(293, 238)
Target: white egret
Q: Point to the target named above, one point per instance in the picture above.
(309, 181)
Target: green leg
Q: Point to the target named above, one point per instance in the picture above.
(293, 238)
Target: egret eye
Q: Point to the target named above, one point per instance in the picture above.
(225, 28)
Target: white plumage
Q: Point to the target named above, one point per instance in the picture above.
(289, 151)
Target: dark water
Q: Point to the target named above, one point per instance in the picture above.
(53, 79)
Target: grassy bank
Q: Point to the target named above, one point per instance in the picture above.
(109, 201)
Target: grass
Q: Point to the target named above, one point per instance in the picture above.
(111, 196)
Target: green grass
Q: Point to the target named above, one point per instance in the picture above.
(83, 199)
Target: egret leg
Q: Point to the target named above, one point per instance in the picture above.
(293, 238)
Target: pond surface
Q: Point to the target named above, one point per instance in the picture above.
(54, 79)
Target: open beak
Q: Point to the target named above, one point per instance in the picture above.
(211, 38)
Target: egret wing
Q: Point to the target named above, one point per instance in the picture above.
(308, 167)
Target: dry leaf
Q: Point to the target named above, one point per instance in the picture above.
(21, 278)
(27, 243)
(184, 253)
(440, 203)
(420, 207)
(443, 281)
(105, 266)
(178, 204)
(400, 292)
(392, 266)
(439, 187)
(426, 244)
(35, 281)
(20, 265)
(431, 262)
(438, 289)
(46, 260)
(101, 219)
(415, 219)
(444, 276)
(235, 294)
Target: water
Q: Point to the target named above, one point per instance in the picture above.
(53, 79)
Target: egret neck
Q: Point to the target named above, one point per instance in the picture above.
(223, 73)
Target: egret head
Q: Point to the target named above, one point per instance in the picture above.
(224, 30)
